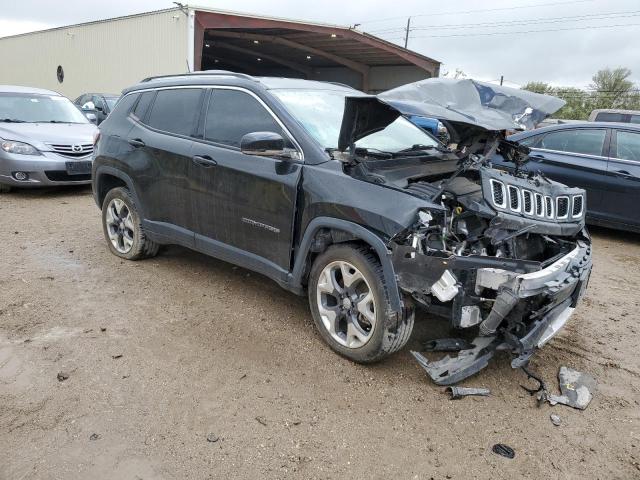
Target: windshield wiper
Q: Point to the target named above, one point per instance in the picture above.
(11, 120)
(418, 148)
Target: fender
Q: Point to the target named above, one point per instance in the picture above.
(106, 170)
(360, 232)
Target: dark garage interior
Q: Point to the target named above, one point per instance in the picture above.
(273, 47)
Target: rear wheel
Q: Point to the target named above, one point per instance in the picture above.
(123, 228)
(4, 188)
(350, 305)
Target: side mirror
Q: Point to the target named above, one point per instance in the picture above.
(88, 106)
(91, 117)
(264, 144)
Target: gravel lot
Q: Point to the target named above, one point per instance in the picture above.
(193, 346)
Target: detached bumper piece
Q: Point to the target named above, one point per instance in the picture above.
(561, 284)
(450, 370)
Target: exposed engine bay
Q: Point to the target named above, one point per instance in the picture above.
(504, 253)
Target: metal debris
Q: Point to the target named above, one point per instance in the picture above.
(503, 450)
(115, 357)
(262, 421)
(576, 389)
(447, 345)
(459, 392)
(62, 376)
(212, 437)
(450, 370)
(94, 436)
(555, 419)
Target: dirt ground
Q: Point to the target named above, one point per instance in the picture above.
(193, 346)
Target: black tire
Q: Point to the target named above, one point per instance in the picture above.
(390, 333)
(4, 188)
(142, 246)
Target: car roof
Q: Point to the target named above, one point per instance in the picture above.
(20, 89)
(573, 126)
(223, 77)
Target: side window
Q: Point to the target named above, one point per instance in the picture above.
(80, 100)
(634, 119)
(143, 105)
(585, 141)
(610, 117)
(628, 146)
(98, 102)
(529, 141)
(176, 110)
(124, 106)
(233, 114)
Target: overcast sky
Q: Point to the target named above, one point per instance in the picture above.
(562, 42)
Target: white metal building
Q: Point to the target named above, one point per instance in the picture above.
(108, 55)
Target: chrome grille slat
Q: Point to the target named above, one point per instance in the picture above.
(520, 198)
(578, 206)
(75, 150)
(562, 207)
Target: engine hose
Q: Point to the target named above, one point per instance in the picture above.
(505, 301)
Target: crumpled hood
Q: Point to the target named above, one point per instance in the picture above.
(460, 104)
(41, 134)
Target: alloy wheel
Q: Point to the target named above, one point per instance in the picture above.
(346, 304)
(120, 226)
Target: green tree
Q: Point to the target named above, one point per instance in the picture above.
(611, 88)
(539, 87)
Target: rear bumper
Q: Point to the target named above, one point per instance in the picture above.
(47, 169)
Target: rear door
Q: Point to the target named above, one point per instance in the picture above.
(577, 158)
(622, 200)
(161, 161)
(243, 201)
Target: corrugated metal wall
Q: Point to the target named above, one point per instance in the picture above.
(104, 56)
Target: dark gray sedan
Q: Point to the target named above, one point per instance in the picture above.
(601, 157)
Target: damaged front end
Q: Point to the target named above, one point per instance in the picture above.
(507, 255)
(503, 254)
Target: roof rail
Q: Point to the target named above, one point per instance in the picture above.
(200, 73)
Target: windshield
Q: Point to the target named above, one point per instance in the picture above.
(321, 111)
(37, 108)
(111, 102)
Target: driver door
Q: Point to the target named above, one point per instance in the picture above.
(243, 201)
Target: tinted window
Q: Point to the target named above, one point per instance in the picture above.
(628, 146)
(585, 141)
(98, 102)
(233, 114)
(143, 105)
(528, 142)
(176, 111)
(635, 119)
(610, 117)
(124, 106)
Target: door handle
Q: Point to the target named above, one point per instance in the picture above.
(204, 161)
(136, 142)
(537, 156)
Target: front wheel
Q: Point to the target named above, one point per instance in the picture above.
(350, 305)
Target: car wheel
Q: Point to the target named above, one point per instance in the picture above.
(4, 188)
(122, 227)
(350, 305)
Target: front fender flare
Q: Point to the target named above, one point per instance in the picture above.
(357, 231)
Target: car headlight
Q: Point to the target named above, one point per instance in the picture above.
(19, 148)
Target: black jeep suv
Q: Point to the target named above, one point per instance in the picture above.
(334, 193)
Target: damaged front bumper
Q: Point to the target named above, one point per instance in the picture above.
(531, 304)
